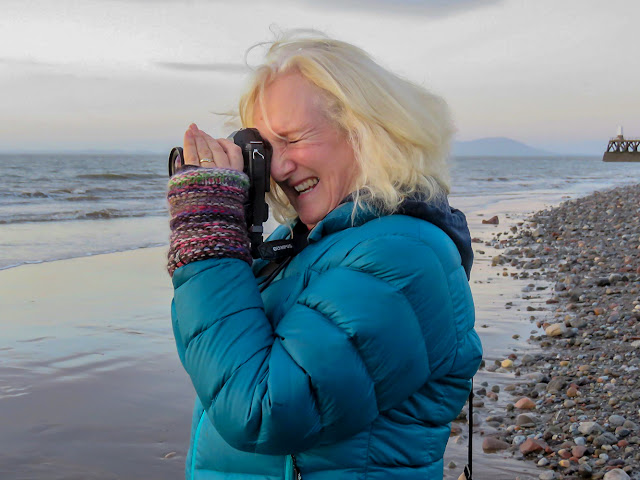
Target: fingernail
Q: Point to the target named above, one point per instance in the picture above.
(193, 127)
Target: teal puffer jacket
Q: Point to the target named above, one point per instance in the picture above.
(356, 358)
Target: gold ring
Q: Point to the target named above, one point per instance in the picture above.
(206, 160)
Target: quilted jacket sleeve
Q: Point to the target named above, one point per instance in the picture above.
(350, 347)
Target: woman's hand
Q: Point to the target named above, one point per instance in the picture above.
(204, 150)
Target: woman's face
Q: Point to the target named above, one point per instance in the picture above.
(315, 166)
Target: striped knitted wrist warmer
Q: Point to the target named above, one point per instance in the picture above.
(207, 216)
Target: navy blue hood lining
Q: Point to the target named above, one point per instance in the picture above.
(448, 219)
(438, 212)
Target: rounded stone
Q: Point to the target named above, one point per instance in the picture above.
(524, 420)
(491, 444)
(578, 451)
(616, 474)
(616, 420)
(518, 440)
(585, 470)
(587, 428)
(530, 446)
(525, 403)
(555, 330)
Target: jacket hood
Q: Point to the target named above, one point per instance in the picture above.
(436, 211)
(448, 219)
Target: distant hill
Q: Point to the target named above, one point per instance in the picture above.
(496, 147)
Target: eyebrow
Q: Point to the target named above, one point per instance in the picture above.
(290, 131)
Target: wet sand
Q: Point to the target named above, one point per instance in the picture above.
(91, 386)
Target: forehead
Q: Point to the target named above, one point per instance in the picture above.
(290, 103)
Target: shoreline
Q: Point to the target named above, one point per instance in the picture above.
(574, 403)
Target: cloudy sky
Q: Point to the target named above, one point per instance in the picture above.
(132, 74)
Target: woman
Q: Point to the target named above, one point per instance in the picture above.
(355, 358)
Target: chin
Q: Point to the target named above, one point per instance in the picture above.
(311, 218)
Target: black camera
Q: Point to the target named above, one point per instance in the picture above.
(256, 153)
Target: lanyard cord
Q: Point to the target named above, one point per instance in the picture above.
(467, 468)
(298, 243)
(274, 274)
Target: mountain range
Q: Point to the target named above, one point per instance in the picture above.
(496, 147)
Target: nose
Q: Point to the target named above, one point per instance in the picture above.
(281, 165)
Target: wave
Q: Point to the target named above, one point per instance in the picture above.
(84, 198)
(14, 264)
(118, 176)
(103, 214)
(489, 179)
(106, 213)
(88, 191)
(78, 194)
(36, 194)
(68, 190)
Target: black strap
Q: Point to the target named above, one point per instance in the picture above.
(281, 252)
(468, 466)
(274, 274)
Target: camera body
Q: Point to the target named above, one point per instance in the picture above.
(257, 154)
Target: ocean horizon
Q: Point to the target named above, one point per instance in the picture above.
(56, 206)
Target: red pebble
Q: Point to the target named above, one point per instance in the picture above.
(566, 454)
(578, 451)
(530, 446)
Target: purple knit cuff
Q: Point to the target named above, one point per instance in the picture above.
(207, 216)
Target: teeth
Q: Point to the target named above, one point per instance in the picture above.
(306, 185)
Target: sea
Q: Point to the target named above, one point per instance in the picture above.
(58, 206)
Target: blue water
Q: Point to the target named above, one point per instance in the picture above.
(56, 206)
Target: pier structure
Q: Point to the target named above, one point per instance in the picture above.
(622, 149)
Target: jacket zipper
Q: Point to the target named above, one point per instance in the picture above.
(194, 447)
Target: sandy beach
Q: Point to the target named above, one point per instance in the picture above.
(91, 386)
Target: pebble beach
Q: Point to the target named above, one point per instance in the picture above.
(573, 405)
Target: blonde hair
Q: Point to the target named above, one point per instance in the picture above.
(399, 131)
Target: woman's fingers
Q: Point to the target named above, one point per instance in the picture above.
(233, 152)
(206, 155)
(189, 148)
(220, 152)
(219, 155)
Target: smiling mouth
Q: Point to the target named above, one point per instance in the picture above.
(306, 187)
